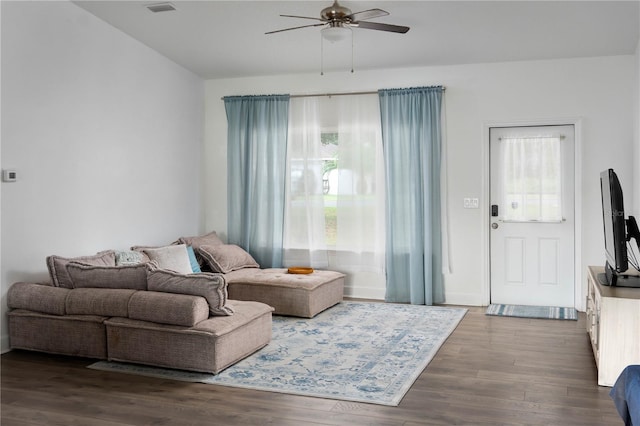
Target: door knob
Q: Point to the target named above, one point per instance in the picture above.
(494, 225)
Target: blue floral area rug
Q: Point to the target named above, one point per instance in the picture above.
(521, 311)
(355, 351)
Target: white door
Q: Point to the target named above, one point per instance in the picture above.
(532, 215)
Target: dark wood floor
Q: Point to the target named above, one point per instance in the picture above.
(491, 370)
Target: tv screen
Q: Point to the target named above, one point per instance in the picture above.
(615, 234)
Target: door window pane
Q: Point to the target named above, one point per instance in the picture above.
(532, 189)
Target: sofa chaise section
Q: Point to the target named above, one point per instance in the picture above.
(300, 295)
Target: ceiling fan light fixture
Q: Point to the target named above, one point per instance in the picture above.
(335, 33)
(337, 22)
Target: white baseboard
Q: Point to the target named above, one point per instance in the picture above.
(4, 344)
(364, 292)
(464, 299)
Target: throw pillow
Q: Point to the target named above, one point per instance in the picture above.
(141, 249)
(212, 287)
(210, 239)
(132, 277)
(195, 266)
(225, 258)
(174, 258)
(57, 266)
(129, 257)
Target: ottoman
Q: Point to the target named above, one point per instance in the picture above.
(299, 295)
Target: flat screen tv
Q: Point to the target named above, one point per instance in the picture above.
(617, 232)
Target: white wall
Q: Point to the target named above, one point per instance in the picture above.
(632, 201)
(105, 135)
(595, 89)
(636, 136)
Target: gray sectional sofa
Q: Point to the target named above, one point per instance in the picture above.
(163, 306)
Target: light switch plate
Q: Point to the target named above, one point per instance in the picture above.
(471, 203)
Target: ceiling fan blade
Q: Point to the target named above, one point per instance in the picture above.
(303, 17)
(295, 28)
(380, 27)
(368, 14)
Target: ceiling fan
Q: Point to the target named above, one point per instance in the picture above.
(336, 19)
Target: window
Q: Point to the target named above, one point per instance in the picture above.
(334, 212)
(532, 188)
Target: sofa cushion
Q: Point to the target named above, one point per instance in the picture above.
(246, 311)
(174, 258)
(128, 276)
(225, 258)
(58, 271)
(166, 308)
(109, 302)
(37, 298)
(212, 287)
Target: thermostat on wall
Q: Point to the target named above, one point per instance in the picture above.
(9, 176)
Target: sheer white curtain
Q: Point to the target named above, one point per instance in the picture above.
(304, 215)
(335, 202)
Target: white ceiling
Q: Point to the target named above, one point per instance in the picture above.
(221, 39)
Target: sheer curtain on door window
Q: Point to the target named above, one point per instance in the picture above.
(532, 186)
(335, 206)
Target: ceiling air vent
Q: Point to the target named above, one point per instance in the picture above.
(161, 7)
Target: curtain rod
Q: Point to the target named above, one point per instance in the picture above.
(371, 92)
(533, 137)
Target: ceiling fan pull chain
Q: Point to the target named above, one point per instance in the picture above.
(321, 55)
(351, 51)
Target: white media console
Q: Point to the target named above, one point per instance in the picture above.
(613, 324)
